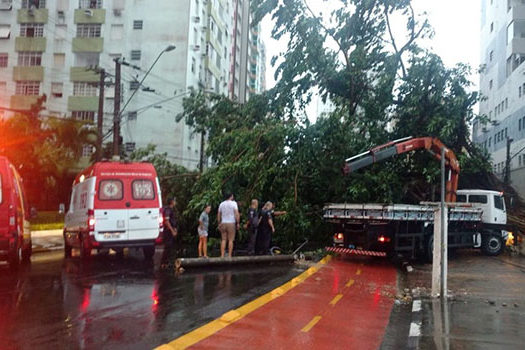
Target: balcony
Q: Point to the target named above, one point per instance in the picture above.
(88, 44)
(83, 74)
(32, 15)
(87, 16)
(516, 46)
(22, 101)
(82, 103)
(30, 44)
(34, 73)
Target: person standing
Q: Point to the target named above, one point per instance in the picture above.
(253, 223)
(266, 228)
(228, 218)
(203, 232)
(169, 234)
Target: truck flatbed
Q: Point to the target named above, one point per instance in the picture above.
(396, 212)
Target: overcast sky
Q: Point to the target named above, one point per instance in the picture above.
(456, 24)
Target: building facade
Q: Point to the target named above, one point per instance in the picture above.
(502, 87)
(58, 48)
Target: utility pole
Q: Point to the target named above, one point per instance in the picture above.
(116, 111)
(506, 178)
(100, 116)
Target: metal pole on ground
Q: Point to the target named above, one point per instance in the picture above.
(100, 115)
(439, 258)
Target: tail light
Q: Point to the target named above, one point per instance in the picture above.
(158, 240)
(12, 218)
(383, 239)
(339, 236)
(91, 220)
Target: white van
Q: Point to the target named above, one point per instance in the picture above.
(114, 205)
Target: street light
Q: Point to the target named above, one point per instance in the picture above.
(118, 112)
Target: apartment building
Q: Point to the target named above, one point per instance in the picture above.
(502, 86)
(58, 48)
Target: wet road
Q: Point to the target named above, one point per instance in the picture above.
(114, 303)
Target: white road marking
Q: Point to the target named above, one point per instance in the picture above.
(416, 306)
(415, 329)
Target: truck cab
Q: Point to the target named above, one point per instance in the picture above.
(491, 202)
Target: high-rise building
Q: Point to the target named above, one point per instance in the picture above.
(502, 86)
(248, 55)
(57, 48)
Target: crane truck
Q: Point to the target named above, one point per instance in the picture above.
(478, 220)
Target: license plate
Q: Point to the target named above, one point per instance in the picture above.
(110, 235)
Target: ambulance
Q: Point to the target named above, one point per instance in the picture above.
(114, 205)
(15, 234)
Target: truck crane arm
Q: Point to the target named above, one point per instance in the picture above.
(390, 149)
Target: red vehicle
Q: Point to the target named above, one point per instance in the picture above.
(15, 234)
(114, 205)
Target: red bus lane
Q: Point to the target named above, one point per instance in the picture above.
(345, 304)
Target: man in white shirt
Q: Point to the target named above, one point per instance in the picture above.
(228, 218)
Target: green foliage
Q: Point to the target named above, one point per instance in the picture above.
(44, 150)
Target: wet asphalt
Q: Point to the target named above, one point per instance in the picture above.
(127, 303)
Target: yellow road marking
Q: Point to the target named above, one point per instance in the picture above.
(232, 316)
(311, 324)
(358, 272)
(336, 299)
(349, 283)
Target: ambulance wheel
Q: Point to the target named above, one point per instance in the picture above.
(148, 252)
(491, 244)
(67, 250)
(15, 258)
(85, 250)
(26, 253)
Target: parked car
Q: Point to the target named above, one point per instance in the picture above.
(15, 233)
(114, 205)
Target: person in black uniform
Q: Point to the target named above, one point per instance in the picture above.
(266, 228)
(169, 234)
(252, 225)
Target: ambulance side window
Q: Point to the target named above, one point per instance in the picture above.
(110, 190)
(461, 198)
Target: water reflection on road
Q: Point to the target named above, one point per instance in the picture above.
(110, 303)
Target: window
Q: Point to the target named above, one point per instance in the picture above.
(143, 189)
(193, 63)
(110, 190)
(117, 31)
(461, 198)
(86, 116)
(519, 125)
(491, 55)
(506, 103)
(84, 89)
(88, 30)
(137, 24)
(498, 202)
(4, 59)
(59, 59)
(134, 85)
(519, 91)
(90, 4)
(57, 90)
(87, 151)
(3, 88)
(39, 4)
(519, 160)
(477, 198)
(28, 59)
(5, 31)
(132, 116)
(130, 146)
(32, 30)
(27, 87)
(492, 27)
(135, 55)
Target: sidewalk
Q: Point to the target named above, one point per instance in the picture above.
(486, 308)
(44, 241)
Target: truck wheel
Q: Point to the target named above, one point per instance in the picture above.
(148, 252)
(26, 253)
(67, 250)
(491, 245)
